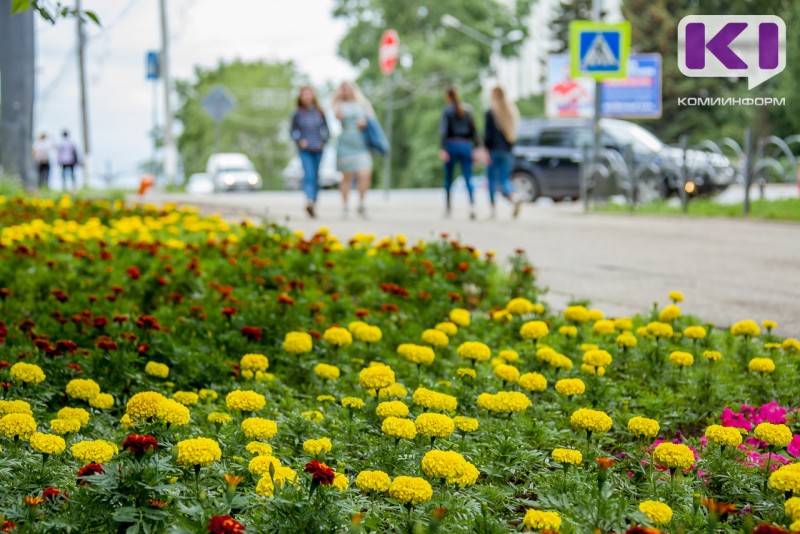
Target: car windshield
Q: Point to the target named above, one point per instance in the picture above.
(630, 134)
(237, 168)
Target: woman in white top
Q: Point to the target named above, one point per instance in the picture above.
(41, 157)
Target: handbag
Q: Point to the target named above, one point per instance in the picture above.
(375, 138)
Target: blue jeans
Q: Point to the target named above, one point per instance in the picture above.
(459, 152)
(310, 160)
(498, 173)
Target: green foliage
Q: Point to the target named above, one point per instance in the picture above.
(264, 103)
(787, 209)
(441, 56)
(52, 11)
(566, 12)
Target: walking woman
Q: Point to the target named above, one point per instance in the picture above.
(310, 133)
(353, 157)
(500, 132)
(459, 138)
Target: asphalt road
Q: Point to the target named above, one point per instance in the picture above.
(728, 269)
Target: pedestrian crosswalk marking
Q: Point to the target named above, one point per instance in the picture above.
(599, 54)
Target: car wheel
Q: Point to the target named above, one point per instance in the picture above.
(525, 186)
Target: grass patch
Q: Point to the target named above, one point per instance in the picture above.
(786, 209)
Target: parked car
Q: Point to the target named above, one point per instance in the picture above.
(549, 153)
(329, 177)
(232, 171)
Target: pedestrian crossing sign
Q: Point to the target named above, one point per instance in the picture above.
(599, 50)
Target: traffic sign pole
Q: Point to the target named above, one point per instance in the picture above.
(598, 87)
(388, 53)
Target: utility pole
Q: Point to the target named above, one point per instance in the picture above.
(170, 152)
(596, 137)
(87, 160)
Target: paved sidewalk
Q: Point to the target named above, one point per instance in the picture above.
(728, 269)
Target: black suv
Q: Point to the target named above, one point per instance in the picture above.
(548, 155)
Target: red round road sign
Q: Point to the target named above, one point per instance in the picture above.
(388, 51)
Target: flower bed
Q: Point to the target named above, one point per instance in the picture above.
(165, 371)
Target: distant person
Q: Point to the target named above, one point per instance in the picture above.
(459, 138)
(41, 157)
(500, 132)
(310, 133)
(353, 157)
(67, 155)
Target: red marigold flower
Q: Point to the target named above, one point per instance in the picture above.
(117, 289)
(119, 319)
(455, 297)
(718, 507)
(253, 333)
(43, 345)
(8, 526)
(283, 298)
(4, 364)
(424, 295)
(148, 322)
(27, 325)
(33, 501)
(463, 266)
(5, 293)
(388, 308)
(106, 255)
(3, 329)
(451, 276)
(224, 524)
(59, 295)
(65, 346)
(87, 471)
(605, 463)
(100, 322)
(157, 503)
(52, 493)
(361, 313)
(139, 444)
(320, 473)
(636, 529)
(162, 280)
(105, 343)
(765, 528)
(92, 298)
(228, 311)
(6, 385)
(315, 334)
(134, 272)
(74, 367)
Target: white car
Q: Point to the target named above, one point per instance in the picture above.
(329, 177)
(231, 171)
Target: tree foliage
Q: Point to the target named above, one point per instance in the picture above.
(564, 13)
(440, 56)
(256, 126)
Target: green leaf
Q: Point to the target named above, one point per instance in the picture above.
(91, 15)
(19, 6)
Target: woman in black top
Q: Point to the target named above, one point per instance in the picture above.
(458, 139)
(499, 136)
(310, 132)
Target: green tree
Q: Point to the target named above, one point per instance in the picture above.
(256, 126)
(440, 55)
(563, 14)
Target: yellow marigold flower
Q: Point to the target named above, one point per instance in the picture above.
(434, 400)
(570, 386)
(27, 373)
(464, 372)
(98, 451)
(768, 325)
(338, 337)
(541, 520)
(17, 425)
(675, 296)
(474, 350)
(207, 394)
(626, 340)
(597, 358)
(315, 416)
(504, 402)
(368, 334)
(657, 512)
(643, 331)
(102, 401)
(417, 354)
(568, 330)
(172, 412)
(434, 425)
(326, 398)
(792, 508)
(391, 409)
(144, 405)
(775, 435)
(82, 388)
(410, 490)
(259, 428)
(316, 447)
(786, 478)
(761, 365)
(592, 370)
(399, 428)
(198, 451)
(340, 482)
(712, 355)
(74, 413)
(14, 406)
(623, 324)
(530, 381)
(694, 332)
(662, 330)
(595, 315)
(673, 455)
(377, 481)
(590, 420)
(745, 328)
(376, 377)
(156, 369)
(352, 402)
(327, 372)
(443, 464)
(559, 361)
(790, 345)
(47, 443)
(435, 338)
(465, 424)
(567, 456)
(669, 313)
(448, 327)
(577, 314)
(460, 317)
(519, 306)
(507, 373)
(254, 362)
(298, 343)
(395, 391)
(266, 485)
(245, 401)
(724, 435)
(258, 448)
(586, 347)
(64, 426)
(534, 330)
(545, 354)
(219, 418)
(508, 355)
(187, 398)
(262, 463)
(643, 426)
(603, 327)
(681, 359)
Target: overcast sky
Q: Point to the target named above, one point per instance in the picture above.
(201, 33)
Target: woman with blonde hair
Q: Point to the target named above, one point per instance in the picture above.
(353, 157)
(502, 121)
